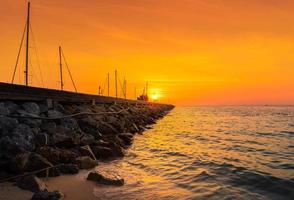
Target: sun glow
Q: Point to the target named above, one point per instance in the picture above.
(155, 94)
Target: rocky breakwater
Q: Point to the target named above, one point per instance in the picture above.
(41, 139)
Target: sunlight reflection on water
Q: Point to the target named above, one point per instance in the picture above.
(210, 153)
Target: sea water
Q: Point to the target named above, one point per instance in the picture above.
(238, 152)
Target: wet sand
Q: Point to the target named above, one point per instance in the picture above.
(10, 192)
(138, 185)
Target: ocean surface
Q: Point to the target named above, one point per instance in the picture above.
(209, 153)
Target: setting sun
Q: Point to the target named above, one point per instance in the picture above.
(155, 94)
(146, 99)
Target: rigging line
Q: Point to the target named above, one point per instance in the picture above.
(37, 54)
(121, 87)
(104, 85)
(68, 70)
(33, 74)
(19, 51)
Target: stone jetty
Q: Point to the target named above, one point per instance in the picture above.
(38, 139)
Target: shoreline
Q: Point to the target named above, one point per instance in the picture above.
(43, 141)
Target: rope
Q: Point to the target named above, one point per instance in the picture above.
(37, 55)
(104, 85)
(69, 71)
(30, 116)
(28, 173)
(87, 147)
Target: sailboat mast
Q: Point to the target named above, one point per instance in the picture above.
(60, 68)
(146, 89)
(125, 88)
(116, 83)
(27, 46)
(108, 84)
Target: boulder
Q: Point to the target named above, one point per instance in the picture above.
(54, 114)
(56, 156)
(19, 140)
(43, 108)
(12, 107)
(65, 141)
(65, 137)
(31, 183)
(85, 162)
(7, 124)
(31, 122)
(58, 107)
(41, 139)
(46, 195)
(18, 163)
(67, 156)
(37, 162)
(68, 168)
(31, 107)
(107, 129)
(104, 178)
(50, 153)
(87, 139)
(126, 137)
(112, 151)
(3, 109)
(102, 152)
(89, 125)
(111, 119)
(48, 127)
(70, 123)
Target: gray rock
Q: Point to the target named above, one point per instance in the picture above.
(18, 163)
(54, 114)
(68, 168)
(85, 162)
(89, 125)
(12, 107)
(31, 108)
(24, 137)
(102, 152)
(70, 123)
(111, 119)
(43, 108)
(37, 162)
(126, 137)
(50, 153)
(67, 156)
(45, 195)
(49, 127)
(19, 140)
(107, 129)
(106, 179)
(7, 124)
(31, 183)
(65, 140)
(59, 107)
(87, 139)
(41, 139)
(33, 123)
(107, 152)
(3, 109)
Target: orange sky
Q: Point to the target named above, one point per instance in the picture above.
(191, 51)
